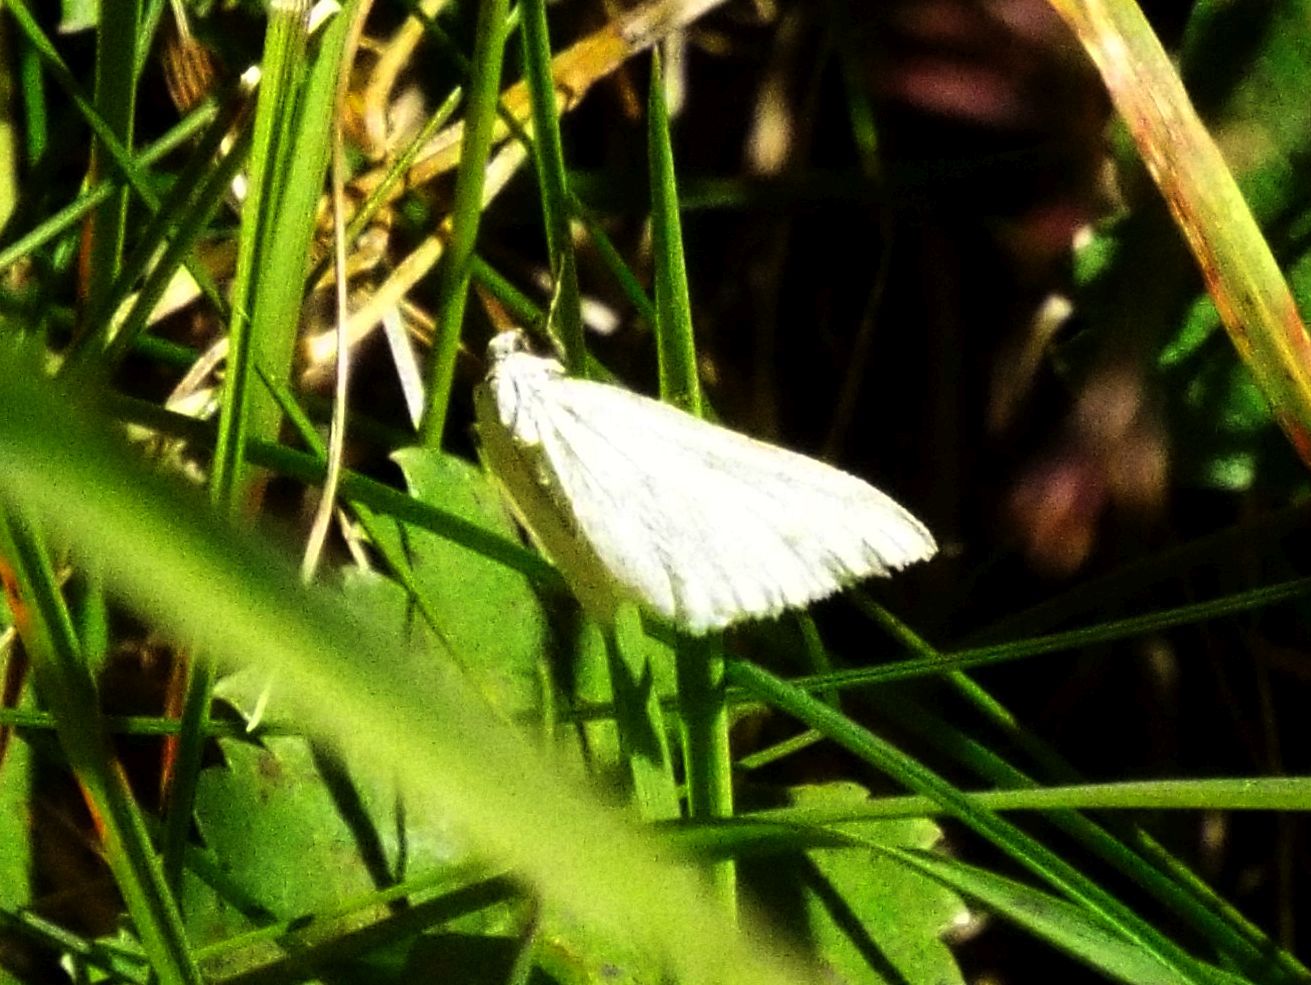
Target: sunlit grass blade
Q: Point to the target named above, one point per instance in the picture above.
(205, 585)
(1241, 273)
(679, 382)
(115, 102)
(1001, 833)
(454, 273)
(708, 768)
(553, 183)
(66, 685)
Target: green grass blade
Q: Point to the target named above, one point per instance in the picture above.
(553, 183)
(203, 583)
(67, 688)
(454, 273)
(1241, 273)
(1005, 836)
(37, 131)
(700, 662)
(67, 217)
(115, 102)
(282, 74)
(679, 383)
(643, 738)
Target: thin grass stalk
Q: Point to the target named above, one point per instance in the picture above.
(1025, 850)
(36, 132)
(66, 686)
(553, 183)
(301, 178)
(614, 262)
(639, 721)
(115, 102)
(454, 272)
(700, 662)
(396, 174)
(67, 217)
(1147, 863)
(282, 74)
(679, 382)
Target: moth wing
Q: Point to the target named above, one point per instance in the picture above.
(705, 525)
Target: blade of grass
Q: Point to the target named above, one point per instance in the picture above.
(37, 130)
(700, 662)
(1105, 632)
(643, 738)
(453, 275)
(553, 183)
(1132, 850)
(1024, 849)
(10, 130)
(66, 686)
(337, 173)
(115, 96)
(282, 75)
(1241, 273)
(67, 217)
(378, 196)
(205, 583)
(679, 382)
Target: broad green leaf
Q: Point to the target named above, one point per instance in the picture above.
(868, 918)
(490, 617)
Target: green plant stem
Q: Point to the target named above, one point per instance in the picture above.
(700, 662)
(643, 737)
(707, 759)
(453, 275)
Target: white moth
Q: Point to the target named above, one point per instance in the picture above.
(636, 500)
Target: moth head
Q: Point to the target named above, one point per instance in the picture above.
(505, 344)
